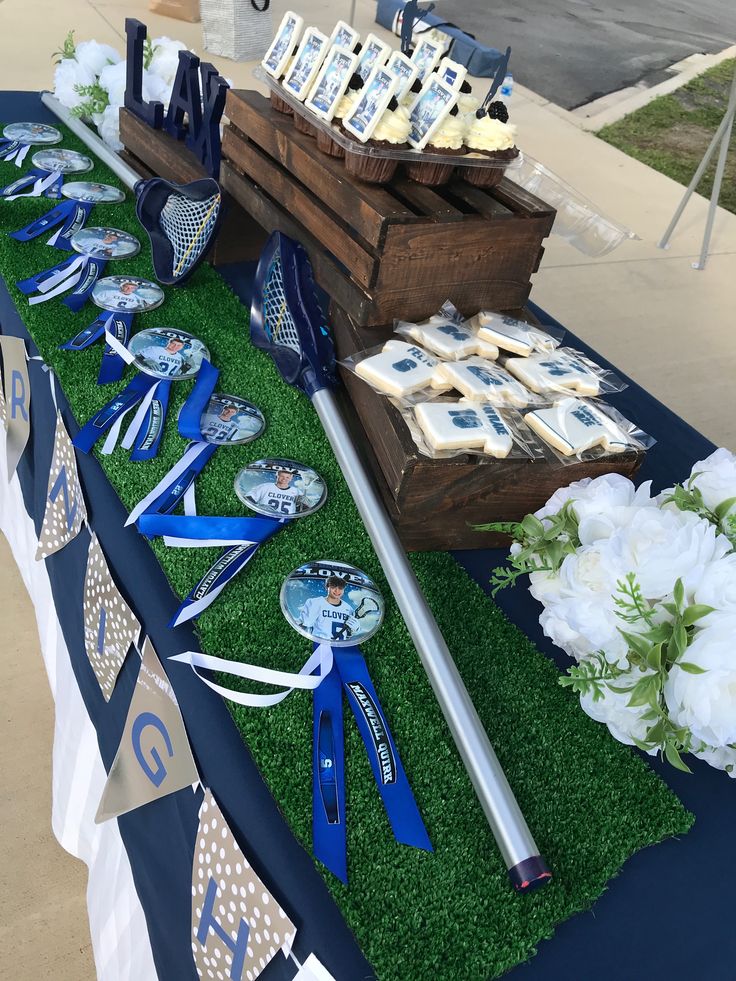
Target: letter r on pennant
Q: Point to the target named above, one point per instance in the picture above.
(17, 395)
(239, 947)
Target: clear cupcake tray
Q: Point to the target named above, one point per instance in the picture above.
(366, 150)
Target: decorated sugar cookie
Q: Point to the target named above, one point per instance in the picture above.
(573, 426)
(482, 381)
(449, 339)
(457, 425)
(512, 335)
(555, 372)
(399, 369)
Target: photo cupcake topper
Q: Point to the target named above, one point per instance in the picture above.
(62, 161)
(165, 352)
(344, 36)
(500, 74)
(127, 293)
(332, 602)
(374, 54)
(306, 64)
(32, 134)
(281, 488)
(105, 243)
(231, 420)
(92, 192)
(331, 82)
(282, 47)
(429, 109)
(373, 102)
(405, 70)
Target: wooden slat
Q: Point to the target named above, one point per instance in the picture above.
(332, 231)
(370, 207)
(520, 201)
(426, 199)
(162, 154)
(479, 199)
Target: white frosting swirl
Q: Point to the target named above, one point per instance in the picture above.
(451, 134)
(346, 104)
(393, 126)
(490, 134)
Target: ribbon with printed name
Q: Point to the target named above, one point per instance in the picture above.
(35, 184)
(328, 672)
(67, 217)
(116, 326)
(78, 273)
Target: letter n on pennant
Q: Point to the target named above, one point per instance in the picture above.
(65, 511)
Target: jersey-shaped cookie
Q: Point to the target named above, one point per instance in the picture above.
(573, 426)
(481, 381)
(561, 371)
(399, 369)
(454, 426)
(451, 340)
(512, 335)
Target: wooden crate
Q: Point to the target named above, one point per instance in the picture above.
(397, 250)
(435, 503)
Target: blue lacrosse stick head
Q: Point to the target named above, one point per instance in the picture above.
(286, 318)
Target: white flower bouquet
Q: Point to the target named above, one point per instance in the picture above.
(90, 80)
(641, 592)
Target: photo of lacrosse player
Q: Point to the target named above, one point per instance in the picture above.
(62, 161)
(167, 353)
(280, 488)
(32, 133)
(105, 243)
(333, 602)
(373, 100)
(374, 53)
(306, 64)
(429, 110)
(331, 83)
(229, 419)
(283, 44)
(120, 293)
(426, 55)
(91, 191)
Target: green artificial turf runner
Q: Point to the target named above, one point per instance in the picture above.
(589, 801)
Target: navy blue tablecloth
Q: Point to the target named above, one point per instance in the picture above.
(666, 916)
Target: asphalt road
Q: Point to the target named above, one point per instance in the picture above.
(572, 52)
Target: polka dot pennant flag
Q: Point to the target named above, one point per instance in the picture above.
(65, 510)
(237, 925)
(110, 626)
(153, 757)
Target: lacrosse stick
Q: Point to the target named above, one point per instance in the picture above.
(181, 220)
(287, 322)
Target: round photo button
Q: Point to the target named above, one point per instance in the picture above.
(281, 488)
(332, 602)
(231, 420)
(120, 293)
(91, 191)
(62, 161)
(32, 133)
(165, 352)
(105, 243)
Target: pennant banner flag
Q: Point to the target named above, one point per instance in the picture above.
(3, 418)
(153, 758)
(65, 511)
(238, 927)
(110, 626)
(313, 970)
(17, 398)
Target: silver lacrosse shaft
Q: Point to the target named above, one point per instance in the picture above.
(510, 830)
(91, 140)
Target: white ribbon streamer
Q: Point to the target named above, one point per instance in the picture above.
(112, 437)
(20, 155)
(119, 349)
(190, 501)
(38, 188)
(200, 605)
(304, 680)
(169, 480)
(135, 427)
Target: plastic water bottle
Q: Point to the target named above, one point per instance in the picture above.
(507, 88)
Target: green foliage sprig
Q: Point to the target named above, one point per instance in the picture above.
(544, 544)
(690, 498)
(96, 100)
(67, 50)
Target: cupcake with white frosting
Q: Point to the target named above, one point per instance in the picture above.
(390, 134)
(447, 141)
(489, 134)
(344, 107)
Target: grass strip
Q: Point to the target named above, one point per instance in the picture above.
(589, 801)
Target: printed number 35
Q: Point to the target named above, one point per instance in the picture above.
(282, 506)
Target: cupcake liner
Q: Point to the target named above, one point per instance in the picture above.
(483, 176)
(374, 170)
(280, 105)
(303, 125)
(327, 145)
(433, 174)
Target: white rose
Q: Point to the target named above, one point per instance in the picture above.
(95, 56)
(554, 623)
(155, 88)
(705, 703)
(109, 128)
(662, 546)
(717, 588)
(602, 504)
(716, 478)
(112, 80)
(165, 61)
(69, 74)
(721, 758)
(624, 722)
(581, 629)
(545, 587)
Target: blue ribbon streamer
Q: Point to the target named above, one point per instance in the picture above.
(112, 365)
(85, 338)
(328, 776)
(58, 214)
(101, 421)
(32, 283)
(8, 146)
(82, 291)
(33, 175)
(74, 222)
(196, 403)
(170, 496)
(149, 438)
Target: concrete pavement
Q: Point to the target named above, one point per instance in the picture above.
(668, 326)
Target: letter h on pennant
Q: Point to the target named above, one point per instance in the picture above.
(239, 947)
